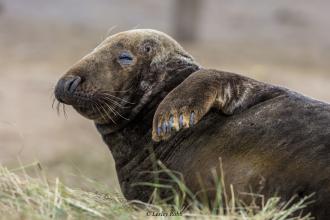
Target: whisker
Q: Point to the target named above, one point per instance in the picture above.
(113, 110)
(113, 102)
(51, 91)
(102, 103)
(109, 107)
(107, 114)
(64, 111)
(121, 115)
(93, 105)
(109, 95)
(54, 100)
(111, 29)
(99, 111)
(58, 108)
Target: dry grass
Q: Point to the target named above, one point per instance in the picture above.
(25, 197)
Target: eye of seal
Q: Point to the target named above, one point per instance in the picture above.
(125, 58)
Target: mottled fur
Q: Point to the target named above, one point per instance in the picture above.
(271, 140)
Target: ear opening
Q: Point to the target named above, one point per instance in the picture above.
(181, 62)
(174, 62)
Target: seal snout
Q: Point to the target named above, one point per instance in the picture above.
(66, 87)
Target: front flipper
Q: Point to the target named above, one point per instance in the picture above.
(185, 105)
(181, 109)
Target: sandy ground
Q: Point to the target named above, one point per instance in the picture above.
(34, 53)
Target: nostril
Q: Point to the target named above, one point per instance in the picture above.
(66, 87)
(71, 84)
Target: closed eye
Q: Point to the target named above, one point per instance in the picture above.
(125, 59)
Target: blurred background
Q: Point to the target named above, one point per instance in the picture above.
(282, 42)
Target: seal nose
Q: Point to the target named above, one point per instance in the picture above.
(66, 87)
(71, 84)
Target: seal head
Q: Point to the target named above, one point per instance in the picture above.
(123, 74)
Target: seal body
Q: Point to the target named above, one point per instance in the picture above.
(279, 146)
(152, 102)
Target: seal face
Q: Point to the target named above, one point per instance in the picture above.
(121, 75)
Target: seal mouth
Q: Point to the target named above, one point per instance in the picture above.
(103, 107)
(100, 106)
(81, 102)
